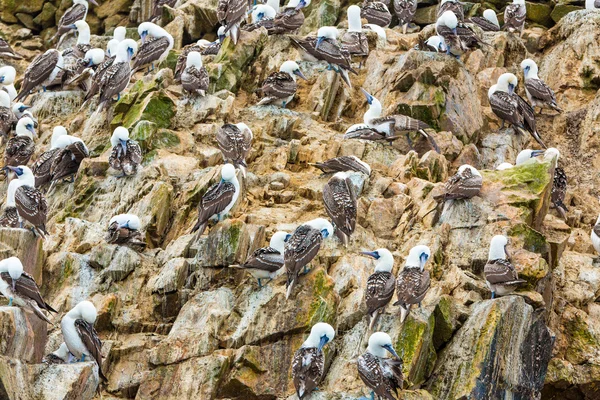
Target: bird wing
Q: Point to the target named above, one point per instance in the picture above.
(92, 342)
(540, 91)
(230, 12)
(401, 123)
(484, 24)
(301, 248)
(10, 217)
(115, 80)
(31, 205)
(340, 204)
(26, 287)
(455, 7)
(342, 164)
(506, 107)
(39, 70)
(18, 150)
(380, 289)
(411, 285)
(287, 21)
(308, 365)
(76, 13)
(356, 43)
(463, 185)
(364, 132)
(405, 10)
(266, 259)
(150, 52)
(194, 79)
(559, 188)
(215, 200)
(500, 271)
(134, 151)
(528, 113)
(279, 85)
(376, 13)
(514, 16)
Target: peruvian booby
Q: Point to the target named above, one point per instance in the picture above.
(203, 47)
(83, 40)
(413, 282)
(86, 69)
(458, 37)
(280, 87)
(489, 22)
(219, 199)
(380, 284)
(308, 364)
(118, 36)
(235, 142)
(153, 50)
(8, 75)
(538, 93)
(405, 11)
(77, 327)
(527, 155)
(158, 6)
(465, 184)
(595, 235)
(592, 4)
(514, 16)
(354, 39)
(512, 108)
(381, 35)
(42, 71)
(325, 47)
(264, 263)
(10, 216)
(452, 5)
(66, 161)
(21, 290)
(30, 202)
(20, 148)
(7, 51)
(302, 247)
(340, 204)
(60, 356)
(435, 43)
(290, 19)
(194, 78)
(381, 374)
(344, 163)
(124, 229)
(376, 12)
(77, 12)
(559, 182)
(126, 153)
(42, 166)
(230, 14)
(262, 15)
(500, 275)
(21, 110)
(7, 116)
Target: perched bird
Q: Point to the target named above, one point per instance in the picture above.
(512, 108)
(230, 14)
(344, 163)
(30, 203)
(405, 11)
(235, 142)
(302, 247)
(124, 229)
(340, 204)
(503, 166)
(458, 37)
(381, 35)
(308, 364)
(203, 47)
(376, 13)
(325, 47)
(41, 167)
(60, 356)
(452, 5)
(20, 148)
(595, 235)
(514, 16)
(489, 22)
(538, 93)
(42, 71)
(77, 327)
(219, 199)
(10, 216)
(86, 69)
(153, 50)
(21, 110)
(262, 15)
(527, 155)
(354, 39)
(380, 285)
(290, 19)
(8, 75)
(280, 87)
(83, 40)
(592, 4)
(68, 158)
(500, 275)
(465, 184)
(559, 185)
(7, 116)
(126, 154)
(413, 282)
(382, 375)
(157, 9)
(436, 43)
(265, 262)
(77, 12)
(7, 51)
(20, 288)
(118, 36)
(194, 78)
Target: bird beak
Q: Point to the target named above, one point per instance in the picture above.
(222, 38)
(454, 31)
(319, 41)
(323, 342)
(93, 2)
(287, 237)
(123, 145)
(511, 88)
(389, 348)
(130, 53)
(371, 254)
(324, 233)
(423, 259)
(143, 36)
(32, 130)
(536, 153)
(300, 74)
(90, 63)
(1, 79)
(367, 95)
(301, 4)
(72, 26)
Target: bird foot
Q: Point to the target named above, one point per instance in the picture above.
(305, 271)
(493, 295)
(260, 286)
(82, 358)
(10, 301)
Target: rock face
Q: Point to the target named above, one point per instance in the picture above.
(178, 322)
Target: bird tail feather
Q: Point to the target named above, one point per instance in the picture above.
(404, 312)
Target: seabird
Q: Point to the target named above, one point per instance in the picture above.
(235, 142)
(21, 110)
(503, 166)
(280, 87)
(436, 43)
(413, 282)
(194, 78)
(262, 15)
(230, 14)
(66, 161)
(376, 12)
(527, 155)
(489, 22)
(83, 40)
(41, 167)
(290, 19)
(77, 327)
(30, 202)
(10, 216)
(86, 68)
(538, 93)
(378, 30)
(20, 148)
(308, 364)
(77, 12)
(452, 5)
(219, 199)
(500, 275)
(592, 4)
(265, 262)
(325, 47)
(7, 80)
(157, 9)
(302, 247)
(380, 285)
(595, 235)
(21, 290)
(382, 375)
(514, 16)
(512, 108)
(118, 36)
(7, 51)
(344, 163)
(126, 154)
(42, 71)
(465, 184)
(203, 47)
(7, 116)
(340, 204)
(559, 185)
(124, 229)
(354, 39)
(152, 50)
(458, 37)
(405, 11)
(388, 128)
(60, 356)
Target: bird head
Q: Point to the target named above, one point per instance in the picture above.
(529, 67)
(380, 343)
(491, 16)
(14, 268)
(507, 83)
(323, 226)
(87, 311)
(120, 33)
(25, 127)
(119, 135)
(418, 256)
(94, 57)
(228, 172)
(292, 68)
(526, 155)
(194, 58)
(498, 248)
(320, 334)
(8, 75)
(464, 167)
(385, 259)
(552, 154)
(326, 32)
(450, 20)
(278, 240)
(221, 34)
(4, 99)
(144, 30)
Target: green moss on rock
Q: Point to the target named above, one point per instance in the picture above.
(415, 346)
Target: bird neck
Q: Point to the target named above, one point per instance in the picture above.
(373, 112)
(12, 189)
(354, 23)
(497, 253)
(377, 351)
(83, 36)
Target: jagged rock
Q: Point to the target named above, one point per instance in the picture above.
(23, 335)
(53, 104)
(171, 277)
